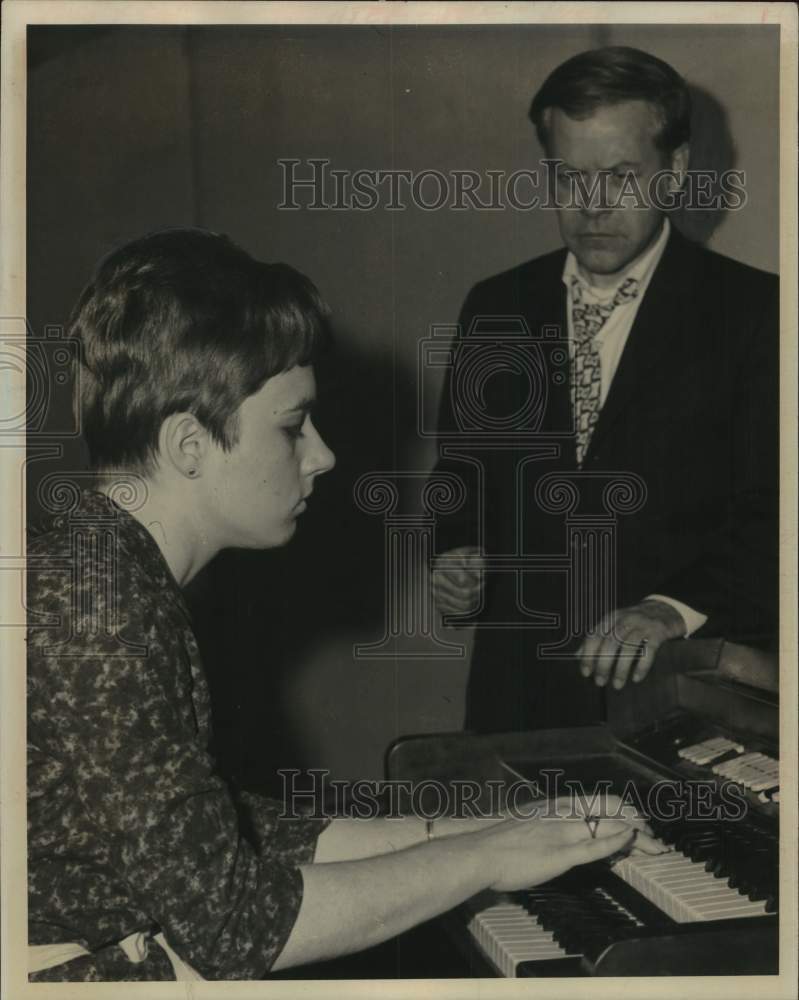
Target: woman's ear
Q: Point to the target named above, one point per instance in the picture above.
(183, 443)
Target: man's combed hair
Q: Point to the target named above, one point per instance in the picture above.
(183, 320)
(602, 77)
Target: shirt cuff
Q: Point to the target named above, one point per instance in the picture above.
(694, 620)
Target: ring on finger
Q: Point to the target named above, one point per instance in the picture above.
(592, 822)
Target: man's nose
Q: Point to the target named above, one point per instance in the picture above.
(595, 197)
(597, 213)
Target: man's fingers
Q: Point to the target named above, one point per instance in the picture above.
(443, 589)
(464, 565)
(638, 633)
(605, 660)
(454, 605)
(587, 654)
(630, 652)
(646, 659)
(458, 576)
(474, 567)
(453, 600)
(592, 649)
(466, 550)
(466, 595)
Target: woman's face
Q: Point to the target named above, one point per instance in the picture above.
(258, 489)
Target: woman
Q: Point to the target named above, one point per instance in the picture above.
(196, 382)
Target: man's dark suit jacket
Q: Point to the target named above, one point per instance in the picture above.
(693, 411)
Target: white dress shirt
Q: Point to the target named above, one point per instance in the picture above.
(611, 340)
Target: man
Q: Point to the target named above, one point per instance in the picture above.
(672, 377)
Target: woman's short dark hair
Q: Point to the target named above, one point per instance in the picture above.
(611, 75)
(185, 320)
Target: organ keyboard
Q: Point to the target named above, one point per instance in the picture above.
(709, 906)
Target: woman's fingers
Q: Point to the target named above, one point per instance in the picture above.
(642, 842)
(601, 847)
(645, 844)
(603, 807)
(534, 850)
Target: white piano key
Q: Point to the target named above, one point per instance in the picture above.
(713, 741)
(763, 783)
(683, 889)
(729, 909)
(508, 934)
(708, 750)
(732, 765)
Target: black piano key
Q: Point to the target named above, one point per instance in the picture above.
(580, 911)
(704, 851)
(694, 835)
(761, 878)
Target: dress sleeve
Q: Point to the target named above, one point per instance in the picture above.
(119, 727)
(290, 838)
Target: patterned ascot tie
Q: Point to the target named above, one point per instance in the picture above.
(587, 320)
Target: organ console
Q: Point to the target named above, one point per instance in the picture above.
(698, 747)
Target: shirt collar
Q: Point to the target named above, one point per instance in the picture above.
(642, 268)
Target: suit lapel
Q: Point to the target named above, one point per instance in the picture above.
(542, 296)
(650, 343)
(542, 300)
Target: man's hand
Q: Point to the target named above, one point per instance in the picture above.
(628, 639)
(458, 588)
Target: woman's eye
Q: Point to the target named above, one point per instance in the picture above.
(293, 431)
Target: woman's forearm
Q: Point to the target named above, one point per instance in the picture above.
(350, 905)
(350, 839)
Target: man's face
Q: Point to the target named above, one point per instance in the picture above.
(258, 488)
(618, 139)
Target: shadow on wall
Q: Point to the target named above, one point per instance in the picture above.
(259, 615)
(713, 151)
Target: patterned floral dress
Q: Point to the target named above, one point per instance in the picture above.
(130, 827)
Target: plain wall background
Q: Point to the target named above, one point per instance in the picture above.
(132, 129)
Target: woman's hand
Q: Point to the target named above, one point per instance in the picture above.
(525, 852)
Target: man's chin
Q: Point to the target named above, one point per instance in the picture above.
(601, 260)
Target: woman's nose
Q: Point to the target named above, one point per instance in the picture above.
(321, 458)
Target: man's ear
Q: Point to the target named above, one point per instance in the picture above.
(183, 444)
(680, 158)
